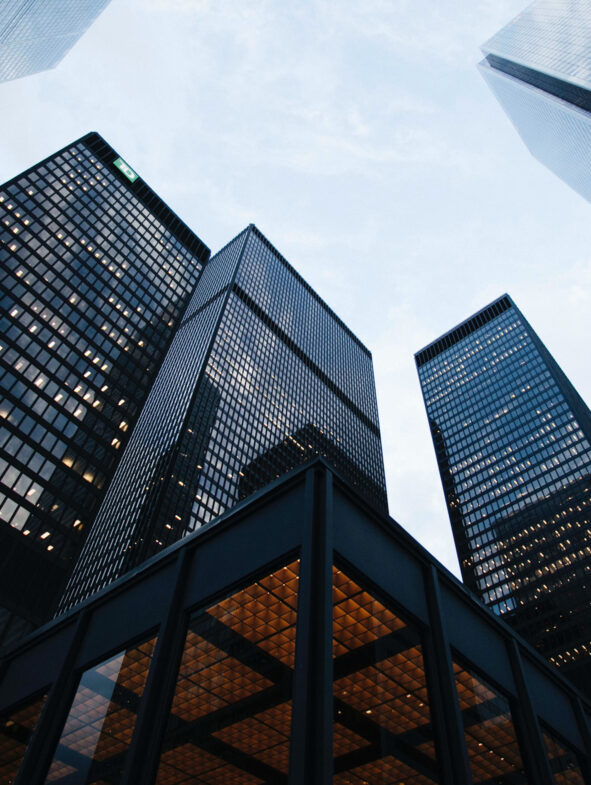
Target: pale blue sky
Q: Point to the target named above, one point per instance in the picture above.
(359, 136)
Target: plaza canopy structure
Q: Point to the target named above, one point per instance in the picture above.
(300, 638)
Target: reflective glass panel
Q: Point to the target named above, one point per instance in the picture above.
(382, 730)
(230, 718)
(98, 731)
(492, 745)
(563, 761)
(15, 732)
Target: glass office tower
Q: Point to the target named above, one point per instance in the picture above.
(95, 270)
(513, 443)
(261, 374)
(37, 34)
(539, 68)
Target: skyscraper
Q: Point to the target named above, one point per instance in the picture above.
(513, 443)
(36, 34)
(95, 272)
(259, 362)
(539, 68)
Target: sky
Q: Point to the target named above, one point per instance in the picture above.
(360, 138)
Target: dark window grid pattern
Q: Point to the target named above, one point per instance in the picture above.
(122, 329)
(50, 404)
(156, 431)
(265, 242)
(526, 419)
(134, 492)
(237, 290)
(151, 204)
(280, 293)
(44, 509)
(125, 261)
(517, 464)
(51, 346)
(465, 366)
(110, 286)
(40, 472)
(92, 288)
(547, 551)
(46, 504)
(90, 200)
(461, 331)
(488, 339)
(257, 410)
(19, 222)
(263, 395)
(72, 388)
(83, 359)
(553, 556)
(217, 276)
(513, 402)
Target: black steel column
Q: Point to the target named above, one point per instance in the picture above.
(44, 740)
(311, 729)
(535, 755)
(3, 668)
(585, 731)
(452, 747)
(144, 752)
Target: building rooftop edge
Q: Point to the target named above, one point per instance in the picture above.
(139, 188)
(464, 322)
(308, 288)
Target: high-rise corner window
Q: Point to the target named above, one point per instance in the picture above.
(97, 734)
(382, 731)
(491, 740)
(230, 718)
(16, 729)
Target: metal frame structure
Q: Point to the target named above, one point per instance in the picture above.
(309, 514)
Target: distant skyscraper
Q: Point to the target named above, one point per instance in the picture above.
(261, 375)
(513, 443)
(539, 68)
(95, 270)
(36, 34)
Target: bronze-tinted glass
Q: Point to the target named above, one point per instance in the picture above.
(230, 717)
(15, 732)
(492, 745)
(382, 729)
(97, 733)
(563, 761)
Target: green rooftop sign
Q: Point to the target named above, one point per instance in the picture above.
(126, 169)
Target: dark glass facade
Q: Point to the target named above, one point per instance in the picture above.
(95, 273)
(513, 444)
(289, 654)
(259, 362)
(36, 34)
